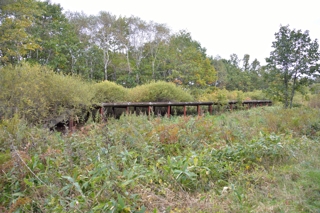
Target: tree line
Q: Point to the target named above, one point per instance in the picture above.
(130, 51)
(126, 50)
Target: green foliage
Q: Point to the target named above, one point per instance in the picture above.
(16, 18)
(256, 160)
(255, 95)
(234, 77)
(315, 88)
(315, 101)
(12, 130)
(59, 45)
(126, 50)
(244, 161)
(158, 91)
(294, 59)
(38, 94)
(224, 96)
(107, 91)
(189, 63)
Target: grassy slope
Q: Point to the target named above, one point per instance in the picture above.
(262, 160)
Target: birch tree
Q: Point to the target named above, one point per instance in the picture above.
(103, 35)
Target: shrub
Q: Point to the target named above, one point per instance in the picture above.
(222, 96)
(314, 101)
(315, 88)
(255, 95)
(38, 94)
(107, 91)
(159, 91)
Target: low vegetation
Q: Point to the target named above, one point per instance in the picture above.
(107, 91)
(256, 160)
(38, 94)
(260, 160)
(158, 92)
(44, 97)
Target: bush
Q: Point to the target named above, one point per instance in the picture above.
(255, 95)
(107, 91)
(38, 94)
(315, 88)
(314, 101)
(223, 96)
(158, 92)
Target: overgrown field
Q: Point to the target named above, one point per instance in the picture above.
(260, 160)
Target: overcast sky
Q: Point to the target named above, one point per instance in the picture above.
(223, 27)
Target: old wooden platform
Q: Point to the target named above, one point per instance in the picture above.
(151, 106)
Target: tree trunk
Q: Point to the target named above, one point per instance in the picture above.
(293, 90)
(153, 71)
(128, 61)
(106, 58)
(286, 92)
(105, 72)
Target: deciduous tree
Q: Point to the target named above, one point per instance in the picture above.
(188, 61)
(294, 59)
(16, 17)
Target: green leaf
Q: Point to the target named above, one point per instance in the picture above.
(29, 183)
(121, 203)
(18, 194)
(70, 179)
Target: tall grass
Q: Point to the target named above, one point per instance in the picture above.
(260, 160)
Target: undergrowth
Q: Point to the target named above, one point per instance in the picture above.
(259, 160)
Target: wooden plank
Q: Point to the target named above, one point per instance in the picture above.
(210, 109)
(71, 124)
(102, 114)
(149, 110)
(165, 104)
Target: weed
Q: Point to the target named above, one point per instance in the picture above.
(257, 160)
